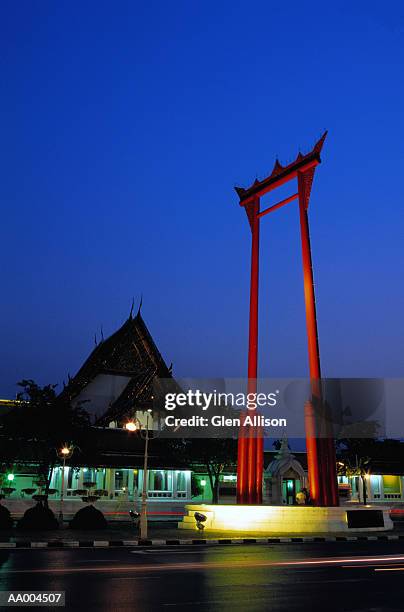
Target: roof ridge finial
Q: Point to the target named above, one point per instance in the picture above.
(140, 305)
(131, 308)
(102, 333)
(284, 450)
(319, 144)
(277, 166)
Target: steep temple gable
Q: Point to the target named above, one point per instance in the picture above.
(118, 375)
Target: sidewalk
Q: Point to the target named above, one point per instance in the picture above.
(166, 535)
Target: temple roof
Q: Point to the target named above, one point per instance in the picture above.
(129, 352)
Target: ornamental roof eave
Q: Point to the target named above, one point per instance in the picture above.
(281, 174)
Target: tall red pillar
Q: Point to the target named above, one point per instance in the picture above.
(250, 444)
(319, 443)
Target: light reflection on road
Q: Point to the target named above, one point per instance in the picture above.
(280, 578)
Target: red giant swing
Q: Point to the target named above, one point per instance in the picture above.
(319, 441)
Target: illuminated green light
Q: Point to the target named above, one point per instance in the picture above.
(10, 476)
(203, 483)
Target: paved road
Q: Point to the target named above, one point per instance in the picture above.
(341, 576)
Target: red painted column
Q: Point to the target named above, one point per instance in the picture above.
(320, 450)
(312, 452)
(242, 466)
(249, 465)
(259, 439)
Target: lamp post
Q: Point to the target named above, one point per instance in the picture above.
(134, 425)
(63, 453)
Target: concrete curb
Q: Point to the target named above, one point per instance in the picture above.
(200, 542)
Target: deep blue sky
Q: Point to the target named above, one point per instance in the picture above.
(125, 127)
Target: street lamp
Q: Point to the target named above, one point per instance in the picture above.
(63, 453)
(135, 425)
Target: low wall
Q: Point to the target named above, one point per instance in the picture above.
(288, 519)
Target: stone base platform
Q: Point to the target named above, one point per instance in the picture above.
(288, 519)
